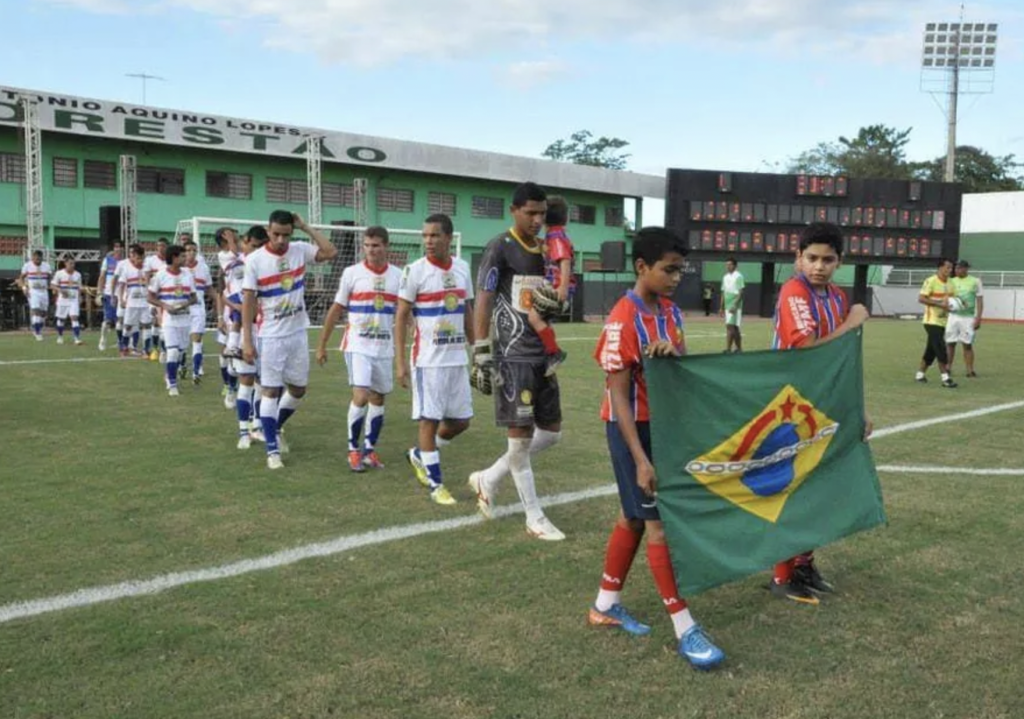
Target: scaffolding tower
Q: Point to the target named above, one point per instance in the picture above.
(129, 191)
(33, 176)
(314, 180)
(359, 186)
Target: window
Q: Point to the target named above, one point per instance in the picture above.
(160, 180)
(488, 207)
(583, 214)
(613, 216)
(441, 202)
(99, 175)
(65, 172)
(338, 194)
(395, 200)
(282, 189)
(12, 168)
(231, 185)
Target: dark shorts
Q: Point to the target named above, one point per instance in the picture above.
(525, 396)
(635, 504)
(109, 309)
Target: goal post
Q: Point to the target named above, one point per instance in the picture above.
(405, 246)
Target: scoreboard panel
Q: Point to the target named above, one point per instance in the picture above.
(758, 216)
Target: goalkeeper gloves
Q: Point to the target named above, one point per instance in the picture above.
(481, 376)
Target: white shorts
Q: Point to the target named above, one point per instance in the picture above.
(197, 319)
(136, 317)
(441, 393)
(66, 309)
(373, 373)
(240, 366)
(38, 301)
(960, 329)
(284, 360)
(734, 317)
(176, 337)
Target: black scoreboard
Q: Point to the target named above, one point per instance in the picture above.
(757, 217)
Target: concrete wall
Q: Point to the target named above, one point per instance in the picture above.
(1000, 304)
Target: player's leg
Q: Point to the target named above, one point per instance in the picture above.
(381, 384)
(175, 341)
(937, 337)
(927, 358)
(273, 356)
(59, 317)
(428, 408)
(619, 554)
(244, 400)
(738, 331)
(486, 482)
(119, 323)
(76, 325)
(296, 378)
(198, 322)
(360, 377)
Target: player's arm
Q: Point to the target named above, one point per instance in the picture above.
(248, 317)
(484, 304)
(565, 273)
(324, 249)
(979, 306)
(470, 332)
(333, 315)
(619, 385)
(856, 318)
(402, 314)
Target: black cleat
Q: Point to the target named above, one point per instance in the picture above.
(809, 576)
(793, 591)
(553, 362)
(949, 383)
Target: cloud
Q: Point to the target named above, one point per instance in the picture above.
(374, 32)
(527, 74)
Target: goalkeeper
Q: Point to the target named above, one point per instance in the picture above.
(526, 400)
(553, 299)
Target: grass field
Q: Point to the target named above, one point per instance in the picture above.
(106, 480)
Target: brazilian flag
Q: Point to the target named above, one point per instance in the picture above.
(759, 457)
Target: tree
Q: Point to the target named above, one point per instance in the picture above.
(876, 152)
(582, 149)
(977, 170)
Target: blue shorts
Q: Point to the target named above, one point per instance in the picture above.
(635, 504)
(109, 309)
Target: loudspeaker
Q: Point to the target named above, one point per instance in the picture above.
(613, 256)
(110, 223)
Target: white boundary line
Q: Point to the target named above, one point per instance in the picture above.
(137, 588)
(927, 469)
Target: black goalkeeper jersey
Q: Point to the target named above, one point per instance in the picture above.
(511, 271)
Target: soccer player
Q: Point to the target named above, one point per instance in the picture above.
(153, 340)
(274, 283)
(527, 401)
(558, 254)
(368, 291)
(732, 305)
(196, 264)
(172, 291)
(644, 323)
(436, 290)
(105, 290)
(935, 295)
(35, 284)
(229, 299)
(246, 374)
(130, 283)
(67, 293)
(811, 310)
(965, 322)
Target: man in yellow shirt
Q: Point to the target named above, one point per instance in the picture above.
(935, 295)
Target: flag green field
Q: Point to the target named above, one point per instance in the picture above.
(760, 456)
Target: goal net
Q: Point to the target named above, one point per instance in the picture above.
(405, 246)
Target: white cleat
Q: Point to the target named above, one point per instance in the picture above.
(274, 461)
(256, 435)
(282, 443)
(39, 338)
(172, 391)
(543, 529)
(103, 346)
(244, 442)
(60, 340)
(484, 499)
(230, 399)
(79, 343)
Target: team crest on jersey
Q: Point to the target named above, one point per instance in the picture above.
(379, 302)
(764, 463)
(451, 301)
(178, 290)
(526, 397)
(287, 282)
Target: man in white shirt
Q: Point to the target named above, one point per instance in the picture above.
(368, 291)
(275, 282)
(196, 264)
(172, 291)
(436, 291)
(732, 305)
(67, 291)
(132, 290)
(155, 345)
(35, 284)
(112, 311)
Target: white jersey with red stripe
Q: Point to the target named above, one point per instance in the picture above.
(201, 276)
(232, 268)
(132, 286)
(68, 286)
(37, 277)
(438, 294)
(370, 296)
(153, 264)
(175, 289)
(279, 281)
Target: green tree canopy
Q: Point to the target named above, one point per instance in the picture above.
(977, 170)
(583, 149)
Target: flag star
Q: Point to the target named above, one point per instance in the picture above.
(787, 408)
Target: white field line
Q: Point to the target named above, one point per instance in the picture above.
(927, 469)
(136, 588)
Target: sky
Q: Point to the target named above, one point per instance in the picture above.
(741, 85)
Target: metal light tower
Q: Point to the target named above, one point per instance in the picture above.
(314, 176)
(129, 192)
(33, 175)
(958, 59)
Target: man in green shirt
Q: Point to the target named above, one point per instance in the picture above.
(963, 323)
(732, 305)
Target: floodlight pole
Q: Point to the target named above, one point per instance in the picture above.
(954, 93)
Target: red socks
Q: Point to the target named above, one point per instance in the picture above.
(547, 338)
(618, 557)
(661, 567)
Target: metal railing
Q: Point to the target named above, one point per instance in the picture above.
(989, 278)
